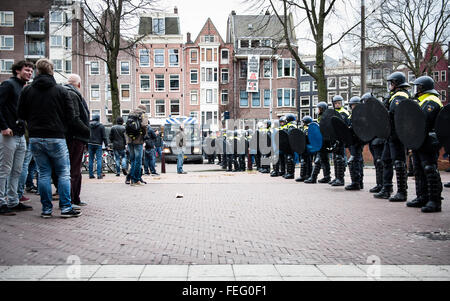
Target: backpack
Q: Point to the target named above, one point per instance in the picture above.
(133, 126)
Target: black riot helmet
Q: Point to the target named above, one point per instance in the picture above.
(336, 99)
(355, 100)
(322, 106)
(398, 80)
(290, 117)
(366, 97)
(307, 119)
(282, 120)
(424, 84)
(268, 124)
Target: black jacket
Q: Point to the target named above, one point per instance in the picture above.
(98, 135)
(117, 137)
(150, 139)
(158, 141)
(9, 97)
(46, 107)
(80, 129)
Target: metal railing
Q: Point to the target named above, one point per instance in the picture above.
(35, 49)
(35, 25)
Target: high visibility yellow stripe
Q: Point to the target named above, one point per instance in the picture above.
(399, 93)
(430, 97)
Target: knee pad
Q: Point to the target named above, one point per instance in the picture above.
(430, 169)
(399, 164)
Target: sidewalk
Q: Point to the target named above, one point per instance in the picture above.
(226, 272)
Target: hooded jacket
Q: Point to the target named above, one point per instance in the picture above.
(98, 135)
(80, 129)
(46, 107)
(9, 96)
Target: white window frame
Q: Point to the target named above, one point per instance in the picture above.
(159, 104)
(315, 100)
(125, 113)
(303, 86)
(65, 66)
(305, 97)
(155, 55)
(3, 18)
(67, 46)
(129, 67)
(108, 91)
(248, 100)
(443, 76)
(3, 44)
(3, 63)
(192, 71)
(56, 12)
(141, 51)
(341, 86)
(97, 112)
(331, 95)
(292, 62)
(58, 38)
(173, 54)
(98, 67)
(292, 98)
(140, 82)
(146, 102)
(224, 61)
(179, 82)
(335, 83)
(162, 30)
(156, 86)
(221, 97)
(271, 69)
(172, 102)
(193, 93)
(106, 68)
(314, 86)
(194, 114)
(303, 72)
(91, 89)
(57, 65)
(190, 56)
(260, 99)
(122, 89)
(264, 98)
(222, 73)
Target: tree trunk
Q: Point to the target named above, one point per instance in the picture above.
(115, 100)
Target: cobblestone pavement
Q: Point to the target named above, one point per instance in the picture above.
(228, 218)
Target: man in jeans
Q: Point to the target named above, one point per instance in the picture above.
(77, 137)
(117, 139)
(158, 145)
(48, 111)
(135, 145)
(98, 137)
(150, 153)
(181, 147)
(12, 140)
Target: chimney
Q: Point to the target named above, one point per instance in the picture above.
(267, 13)
(175, 10)
(233, 13)
(188, 37)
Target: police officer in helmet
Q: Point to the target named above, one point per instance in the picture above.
(427, 177)
(279, 168)
(394, 153)
(290, 165)
(305, 158)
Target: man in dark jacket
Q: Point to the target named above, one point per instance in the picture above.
(48, 111)
(150, 152)
(98, 137)
(77, 136)
(117, 139)
(12, 140)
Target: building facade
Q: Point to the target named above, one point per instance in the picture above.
(440, 71)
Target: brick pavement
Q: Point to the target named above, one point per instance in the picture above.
(228, 218)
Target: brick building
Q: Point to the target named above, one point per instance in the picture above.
(440, 70)
(261, 35)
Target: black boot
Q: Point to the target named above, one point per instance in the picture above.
(315, 173)
(302, 172)
(434, 190)
(361, 174)
(418, 202)
(421, 192)
(276, 170)
(290, 168)
(340, 172)
(384, 193)
(402, 184)
(354, 175)
(379, 177)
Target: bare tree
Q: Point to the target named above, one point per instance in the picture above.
(110, 24)
(316, 13)
(409, 26)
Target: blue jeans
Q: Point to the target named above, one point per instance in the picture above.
(158, 150)
(24, 175)
(150, 160)
(32, 170)
(136, 161)
(118, 155)
(95, 150)
(12, 153)
(48, 153)
(180, 158)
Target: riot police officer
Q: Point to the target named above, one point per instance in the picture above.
(290, 165)
(427, 177)
(279, 168)
(339, 149)
(322, 160)
(356, 162)
(265, 163)
(305, 158)
(394, 150)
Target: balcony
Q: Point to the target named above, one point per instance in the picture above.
(375, 82)
(35, 27)
(35, 50)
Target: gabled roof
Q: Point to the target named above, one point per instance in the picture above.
(258, 26)
(207, 29)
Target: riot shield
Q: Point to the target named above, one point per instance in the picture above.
(315, 139)
(442, 127)
(297, 140)
(326, 128)
(410, 124)
(343, 132)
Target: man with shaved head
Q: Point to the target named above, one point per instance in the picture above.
(77, 137)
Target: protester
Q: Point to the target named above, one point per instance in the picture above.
(96, 140)
(135, 131)
(24, 174)
(77, 136)
(181, 148)
(117, 140)
(12, 140)
(158, 145)
(150, 152)
(48, 111)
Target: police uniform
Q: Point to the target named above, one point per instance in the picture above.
(376, 149)
(290, 165)
(305, 158)
(394, 152)
(279, 158)
(265, 164)
(427, 177)
(355, 162)
(339, 149)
